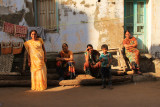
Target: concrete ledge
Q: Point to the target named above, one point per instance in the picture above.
(24, 83)
(27, 77)
(86, 80)
(144, 77)
(92, 81)
(10, 73)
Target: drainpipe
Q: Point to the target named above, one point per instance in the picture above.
(35, 12)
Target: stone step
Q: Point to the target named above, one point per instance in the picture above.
(25, 83)
(18, 62)
(10, 73)
(51, 71)
(51, 64)
(87, 80)
(52, 76)
(49, 56)
(80, 77)
(26, 77)
(84, 80)
(145, 77)
(79, 81)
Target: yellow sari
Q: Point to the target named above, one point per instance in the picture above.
(38, 67)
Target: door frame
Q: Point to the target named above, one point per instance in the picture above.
(135, 24)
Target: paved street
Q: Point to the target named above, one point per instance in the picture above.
(145, 94)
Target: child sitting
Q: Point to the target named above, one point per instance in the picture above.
(106, 59)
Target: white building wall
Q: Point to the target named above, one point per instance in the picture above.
(149, 25)
(8, 7)
(88, 21)
(155, 24)
(80, 22)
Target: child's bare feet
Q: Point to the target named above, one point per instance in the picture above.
(103, 86)
(110, 87)
(138, 72)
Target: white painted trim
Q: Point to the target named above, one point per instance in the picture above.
(149, 26)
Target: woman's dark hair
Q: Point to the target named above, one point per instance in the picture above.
(89, 45)
(104, 46)
(127, 31)
(65, 44)
(33, 31)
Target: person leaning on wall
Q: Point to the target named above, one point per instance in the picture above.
(91, 65)
(131, 51)
(36, 61)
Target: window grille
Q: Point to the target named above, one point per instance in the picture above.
(157, 54)
(47, 14)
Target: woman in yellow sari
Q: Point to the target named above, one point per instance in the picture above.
(36, 61)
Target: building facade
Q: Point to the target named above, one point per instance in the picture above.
(80, 22)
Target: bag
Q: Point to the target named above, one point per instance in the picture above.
(6, 48)
(17, 47)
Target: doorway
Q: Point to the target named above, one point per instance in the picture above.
(135, 21)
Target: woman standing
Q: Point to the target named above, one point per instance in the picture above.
(36, 61)
(131, 51)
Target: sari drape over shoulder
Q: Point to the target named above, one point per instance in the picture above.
(38, 67)
(132, 53)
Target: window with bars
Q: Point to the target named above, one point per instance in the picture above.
(129, 16)
(46, 14)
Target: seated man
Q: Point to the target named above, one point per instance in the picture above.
(65, 63)
(91, 65)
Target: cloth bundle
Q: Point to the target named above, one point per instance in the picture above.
(16, 30)
(71, 69)
(8, 27)
(6, 48)
(9, 47)
(20, 31)
(17, 47)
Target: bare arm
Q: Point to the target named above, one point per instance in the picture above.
(44, 53)
(97, 56)
(135, 44)
(125, 44)
(58, 58)
(128, 46)
(29, 60)
(69, 59)
(110, 61)
(65, 59)
(87, 56)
